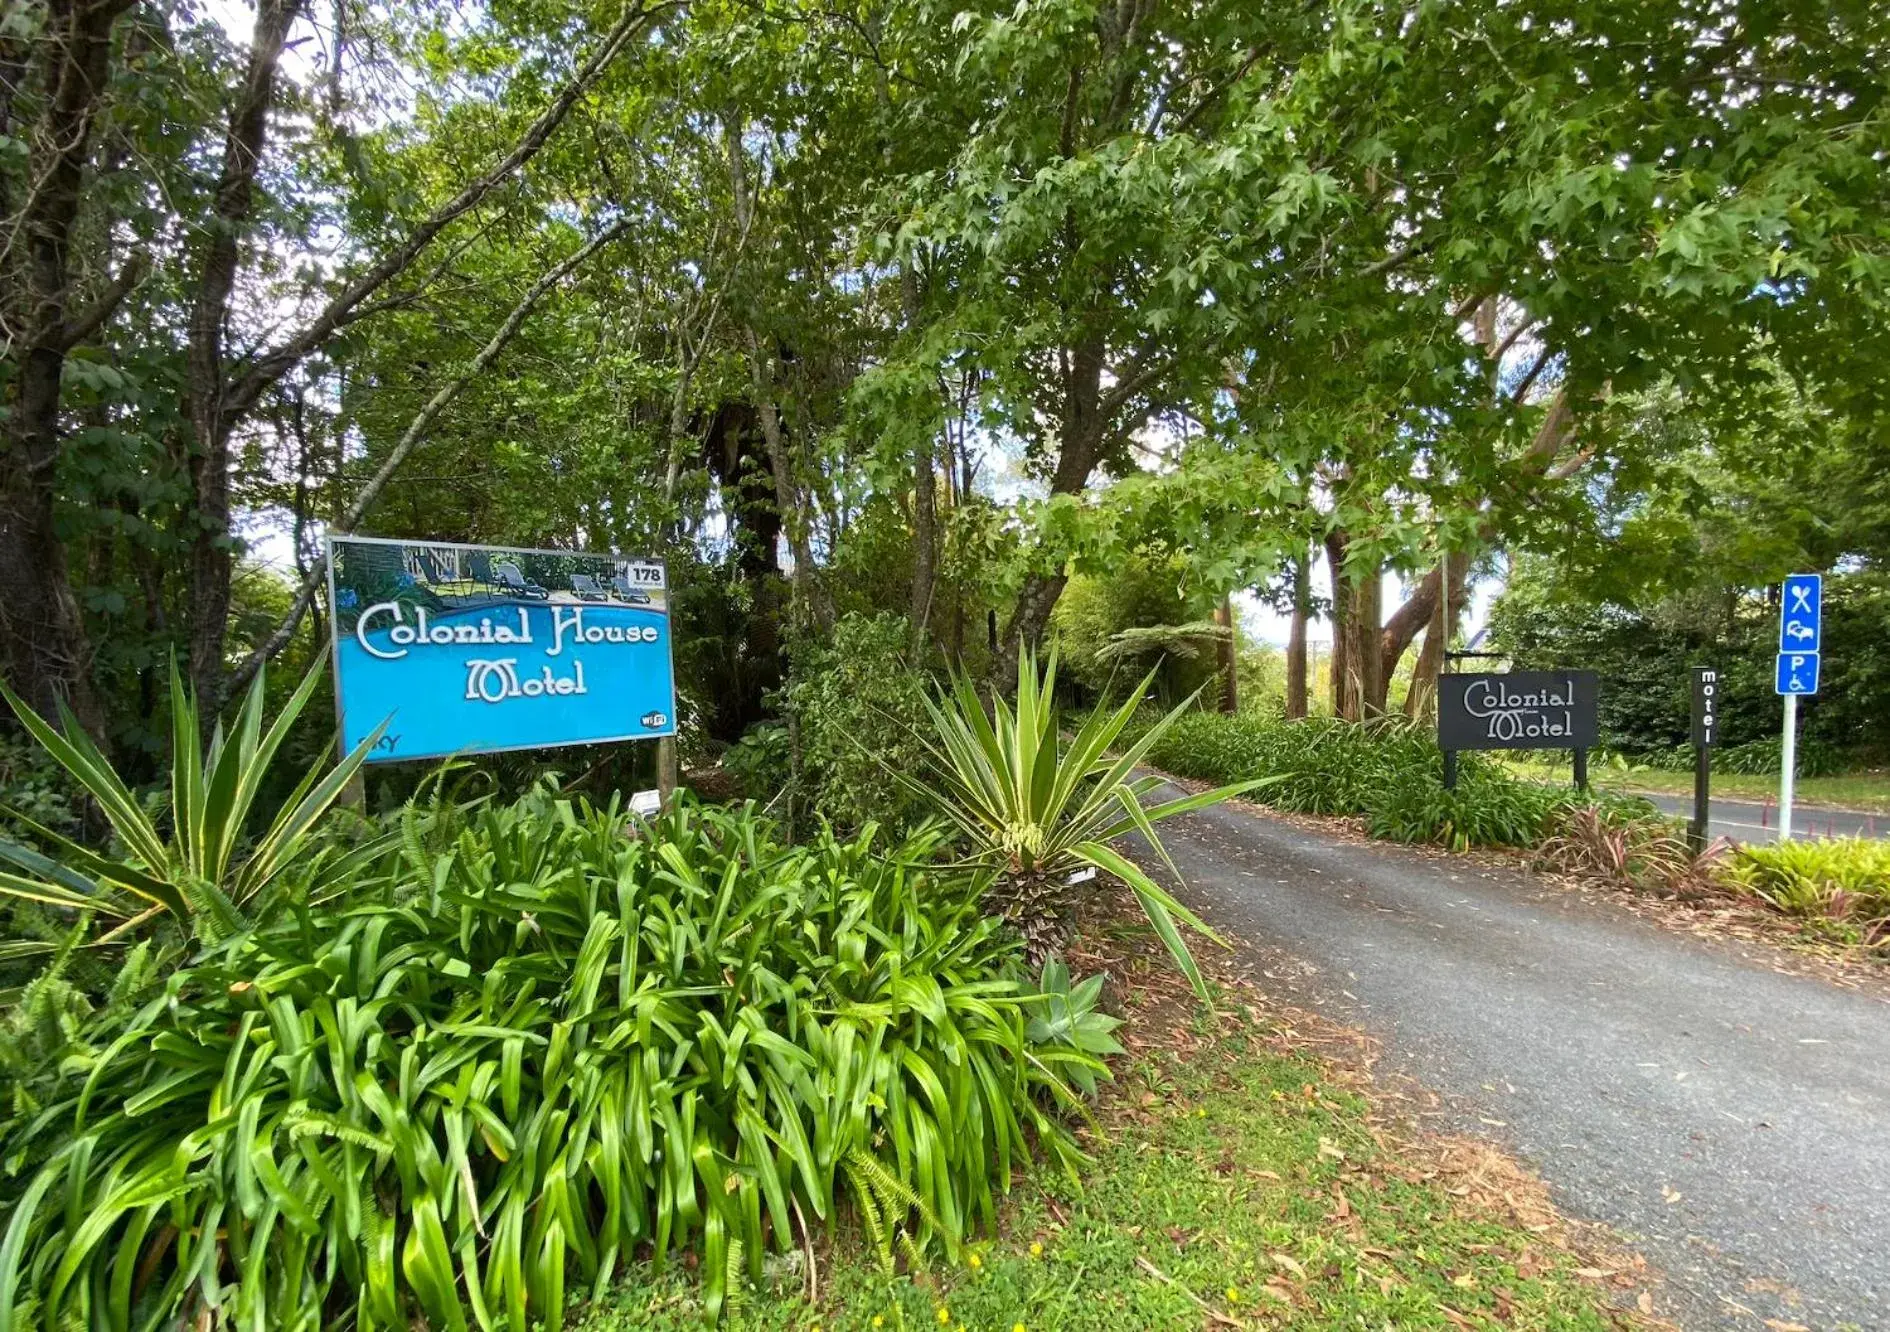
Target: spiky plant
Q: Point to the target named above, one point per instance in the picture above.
(1039, 810)
(199, 866)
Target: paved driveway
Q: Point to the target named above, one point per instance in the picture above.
(1746, 821)
(1734, 1121)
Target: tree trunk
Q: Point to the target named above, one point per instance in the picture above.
(1079, 440)
(924, 543)
(924, 499)
(1296, 640)
(1228, 651)
(1341, 667)
(1358, 689)
(1420, 701)
(48, 657)
(47, 653)
(206, 382)
(1368, 611)
(1405, 623)
(1035, 601)
(787, 489)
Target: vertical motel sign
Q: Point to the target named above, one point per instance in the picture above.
(1705, 736)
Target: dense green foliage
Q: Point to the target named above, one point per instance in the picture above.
(1644, 649)
(1486, 809)
(1320, 766)
(1145, 614)
(892, 310)
(1389, 771)
(540, 1039)
(860, 706)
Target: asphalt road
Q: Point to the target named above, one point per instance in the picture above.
(1748, 822)
(1732, 1121)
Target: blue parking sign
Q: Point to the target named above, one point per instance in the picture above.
(1797, 673)
(1800, 615)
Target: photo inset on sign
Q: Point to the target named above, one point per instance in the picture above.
(472, 649)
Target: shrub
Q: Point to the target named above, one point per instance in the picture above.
(548, 1044)
(1486, 809)
(1614, 840)
(759, 761)
(1760, 758)
(1842, 878)
(1320, 765)
(1389, 770)
(33, 785)
(1142, 616)
(1212, 746)
(861, 709)
(1755, 758)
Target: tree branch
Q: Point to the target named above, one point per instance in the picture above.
(1214, 94)
(1529, 380)
(344, 308)
(243, 141)
(410, 439)
(89, 320)
(1523, 325)
(1144, 366)
(1397, 258)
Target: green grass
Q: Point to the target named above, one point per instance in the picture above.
(1866, 791)
(1234, 1180)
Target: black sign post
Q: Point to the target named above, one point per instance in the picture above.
(1518, 710)
(1705, 734)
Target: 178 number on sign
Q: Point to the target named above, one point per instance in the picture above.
(645, 575)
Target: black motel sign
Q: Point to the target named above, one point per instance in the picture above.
(1517, 710)
(1705, 706)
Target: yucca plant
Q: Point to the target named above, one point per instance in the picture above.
(197, 865)
(1038, 810)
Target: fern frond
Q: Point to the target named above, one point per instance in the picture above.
(870, 1215)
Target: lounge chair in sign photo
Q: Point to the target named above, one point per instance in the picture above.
(587, 589)
(508, 577)
(636, 596)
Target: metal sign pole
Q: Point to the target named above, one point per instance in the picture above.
(1800, 638)
(1443, 660)
(1787, 768)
